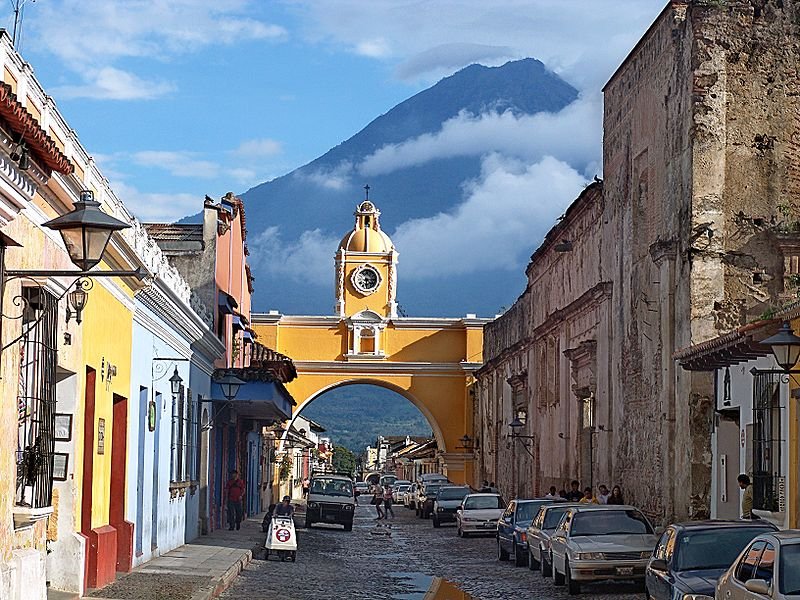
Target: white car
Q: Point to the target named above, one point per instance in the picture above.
(398, 491)
(539, 534)
(598, 542)
(479, 513)
(769, 567)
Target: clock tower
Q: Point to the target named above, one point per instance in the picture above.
(366, 268)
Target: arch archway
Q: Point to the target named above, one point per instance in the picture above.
(416, 402)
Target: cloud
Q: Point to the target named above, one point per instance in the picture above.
(157, 207)
(572, 135)
(450, 57)
(90, 36)
(583, 40)
(307, 260)
(256, 148)
(178, 164)
(109, 83)
(374, 48)
(334, 179)
(505, 214)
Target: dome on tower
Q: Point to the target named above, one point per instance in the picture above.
(367, 236)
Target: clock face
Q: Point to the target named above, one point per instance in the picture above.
(366, 279)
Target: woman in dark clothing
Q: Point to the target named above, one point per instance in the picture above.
(616, 496)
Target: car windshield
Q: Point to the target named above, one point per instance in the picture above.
(713, 548)
(430, 490)
(331, 487)
(790, 569)
(609, 522)
(526, 511)
(452, 493)
(552, 517)
(402, 488)
(482, 502)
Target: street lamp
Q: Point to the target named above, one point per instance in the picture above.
(785, 346)
(86, 230)
(175, 383)
(230, 386)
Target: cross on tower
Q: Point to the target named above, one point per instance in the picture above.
(366, 189)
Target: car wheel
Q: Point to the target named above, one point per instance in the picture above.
(573, 587)
(436, 522)
(520, 556)
(533, 564)
(501, 554)
(547, 565)
(558, 578)
(348, 527)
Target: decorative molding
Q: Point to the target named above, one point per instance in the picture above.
(394, 368)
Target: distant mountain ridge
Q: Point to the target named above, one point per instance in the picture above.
(312, 197)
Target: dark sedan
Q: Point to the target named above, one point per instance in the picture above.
(690, 557)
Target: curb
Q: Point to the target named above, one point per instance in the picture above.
(224, 582)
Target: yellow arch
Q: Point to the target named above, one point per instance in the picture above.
(421, 406)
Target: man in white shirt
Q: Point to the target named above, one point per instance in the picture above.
(552, 495)
(604, 494)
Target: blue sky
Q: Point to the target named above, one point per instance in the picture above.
(181, 98)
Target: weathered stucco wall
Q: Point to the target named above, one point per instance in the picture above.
(700, 190)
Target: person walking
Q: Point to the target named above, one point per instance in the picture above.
(234, 492)
(574, 494)
(387, 502)
(306, 484)
(747, 496)
(377, 501)
(616, 496)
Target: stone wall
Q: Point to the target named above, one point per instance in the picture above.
(698, 234)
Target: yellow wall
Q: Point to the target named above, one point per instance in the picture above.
(378, 300)
(107, 337)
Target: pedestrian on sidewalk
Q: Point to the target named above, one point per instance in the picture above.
(377, 501)
(588, 497)
(616, 496)
(574, 494)
(387, 501)
(234, 491)
(747, 497)
(604, 494)
(552, 495)
(306, 484)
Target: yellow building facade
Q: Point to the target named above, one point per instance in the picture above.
(428, 361)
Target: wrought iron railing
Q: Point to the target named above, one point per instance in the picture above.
(36, 400)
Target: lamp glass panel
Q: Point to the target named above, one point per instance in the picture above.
(73, 240)
(96, 241)
(77, 298)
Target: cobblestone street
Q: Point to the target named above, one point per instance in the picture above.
(332, 563)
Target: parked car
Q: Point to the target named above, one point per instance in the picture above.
(410, 496)
(539, 533)
(447, 501)
(690, 557)
(597, 542)
(361, 488)
(769, 567)
(426, 497)
(478, 513)
(398, 491)
(331, 499)
(512, 529)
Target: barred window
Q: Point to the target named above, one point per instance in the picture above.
(36, 401)
(768, 492)
(178, 436)
(192, 437)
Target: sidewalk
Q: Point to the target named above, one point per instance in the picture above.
(200, 570)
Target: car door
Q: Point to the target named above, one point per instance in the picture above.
(534, 535)
(505, 526)
(558, 543)
(733, 588)
(659, 583)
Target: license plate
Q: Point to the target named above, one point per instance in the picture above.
(624, 570)
(488, 525)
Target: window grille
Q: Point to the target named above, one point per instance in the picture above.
(192, 436)
(766, 441)
(36, 402)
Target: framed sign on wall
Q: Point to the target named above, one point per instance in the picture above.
(63, 427)
(60, 464)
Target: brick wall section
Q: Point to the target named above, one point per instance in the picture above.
(701, 147)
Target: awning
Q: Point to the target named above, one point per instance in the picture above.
(237, 323)
(247, 337)
(227, 303)
(260, 397)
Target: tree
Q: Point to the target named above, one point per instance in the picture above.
(344, 460)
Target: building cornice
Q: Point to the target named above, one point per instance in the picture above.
(310, 367)
(396, 323)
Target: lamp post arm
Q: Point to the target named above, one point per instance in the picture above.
(139, 273)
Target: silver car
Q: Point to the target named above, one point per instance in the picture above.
(478, 513)
(769, 567)
(598, 542)
(539, 534)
